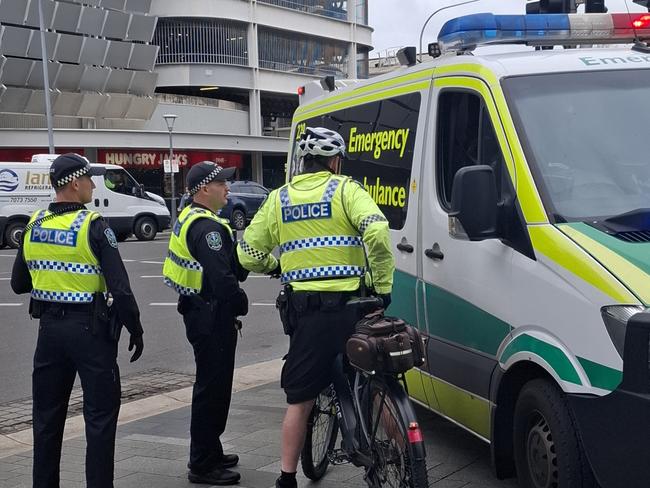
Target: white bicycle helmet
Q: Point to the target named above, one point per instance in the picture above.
(319, 141)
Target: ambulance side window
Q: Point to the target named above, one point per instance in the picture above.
(465, 137)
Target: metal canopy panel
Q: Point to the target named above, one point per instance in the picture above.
(15, 100)
(16, 71)
(143, 57)
(91, 103)
(13, 11)
(69, 48)
(32, 13)
(113, 4)
(69, 77)
(141, 108)
(35, 79)
(14, 40)
(94, 78)
(93, 51)
(66, 17)
(142, 28)
(67, 104)
(118, 54)
(116, 24)
(34, 50)
(36, 102)
(143, 83)
(116, 106)
(140, 6)
(119, 81)
(92, 21)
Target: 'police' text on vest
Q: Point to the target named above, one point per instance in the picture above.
(307, 211)
(54, 236)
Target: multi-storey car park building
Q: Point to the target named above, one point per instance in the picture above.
(229, 69)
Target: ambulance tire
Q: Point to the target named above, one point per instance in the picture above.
(145, 229)
(13, 234)
(547, 450)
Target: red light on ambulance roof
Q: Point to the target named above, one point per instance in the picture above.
(641, 22)
(301, 90)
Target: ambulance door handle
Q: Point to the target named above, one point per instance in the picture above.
(105, 202)
(434, 252)
(404, 246)
(96, 202)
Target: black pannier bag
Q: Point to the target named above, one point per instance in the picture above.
(382, 344)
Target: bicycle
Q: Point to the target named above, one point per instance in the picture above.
(378, 426)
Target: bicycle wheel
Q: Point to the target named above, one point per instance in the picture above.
(322, 429)
(396, 442)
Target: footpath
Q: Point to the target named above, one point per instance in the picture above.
(153, 442)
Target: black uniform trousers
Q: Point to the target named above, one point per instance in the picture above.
(214, 338)
(65, 347)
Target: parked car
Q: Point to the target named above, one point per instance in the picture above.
(245, 198)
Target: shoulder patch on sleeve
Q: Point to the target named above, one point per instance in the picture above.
(214, 240)
(110, 237)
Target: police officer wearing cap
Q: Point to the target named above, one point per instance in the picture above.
(201, 267)
(321, 222)
(68, 261)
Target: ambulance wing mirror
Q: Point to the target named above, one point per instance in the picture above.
(474, 204)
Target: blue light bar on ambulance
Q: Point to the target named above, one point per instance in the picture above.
(467, 32)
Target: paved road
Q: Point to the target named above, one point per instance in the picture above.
(165, 344)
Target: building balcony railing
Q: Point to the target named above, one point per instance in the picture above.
(201, 58)
(326, 8)
(317, 70)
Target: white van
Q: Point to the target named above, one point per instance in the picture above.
(128, 209)
(517, 189)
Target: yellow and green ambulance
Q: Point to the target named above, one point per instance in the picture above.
(517, 188)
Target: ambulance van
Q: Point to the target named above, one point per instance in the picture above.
(128, 209)
(517, 189)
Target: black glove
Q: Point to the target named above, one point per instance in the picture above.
(386, 299)
(275, 272)
(239, 303)
(138, 343)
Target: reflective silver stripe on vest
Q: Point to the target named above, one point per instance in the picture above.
(181, 290)
(63, 296)
(339, 271)
(324, 241)
(43, 265)
(285, 201)
(184, 263)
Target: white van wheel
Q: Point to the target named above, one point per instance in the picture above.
(547, 451)
(14, 234)
(145, 229)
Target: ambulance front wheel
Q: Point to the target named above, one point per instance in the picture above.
(14, 234)
(548, 453)
(145, 229)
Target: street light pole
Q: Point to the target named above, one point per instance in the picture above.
(46, 79)
(170, 119)
(434, 13)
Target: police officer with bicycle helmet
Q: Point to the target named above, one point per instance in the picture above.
(68, 261)
(321, 222)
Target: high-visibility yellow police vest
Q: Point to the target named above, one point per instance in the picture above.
(60, 260)
(181, 271)
(318, 241)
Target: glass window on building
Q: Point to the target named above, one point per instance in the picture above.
(298, 53)
(336, 9)
(201, 40)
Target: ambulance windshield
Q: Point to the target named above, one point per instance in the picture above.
(585, 135)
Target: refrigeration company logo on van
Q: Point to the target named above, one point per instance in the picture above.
(8, 180)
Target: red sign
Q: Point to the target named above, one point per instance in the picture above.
(152, 158)
(25, 155)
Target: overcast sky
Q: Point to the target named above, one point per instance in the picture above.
(398, 23)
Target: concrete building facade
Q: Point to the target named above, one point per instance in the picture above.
(229, 69)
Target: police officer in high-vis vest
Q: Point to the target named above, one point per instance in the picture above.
(320, 221)
(201, 266)
(69, 261)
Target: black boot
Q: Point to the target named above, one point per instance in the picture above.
(215, 477)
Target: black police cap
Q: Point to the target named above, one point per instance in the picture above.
(206, 172)
(67, 167)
